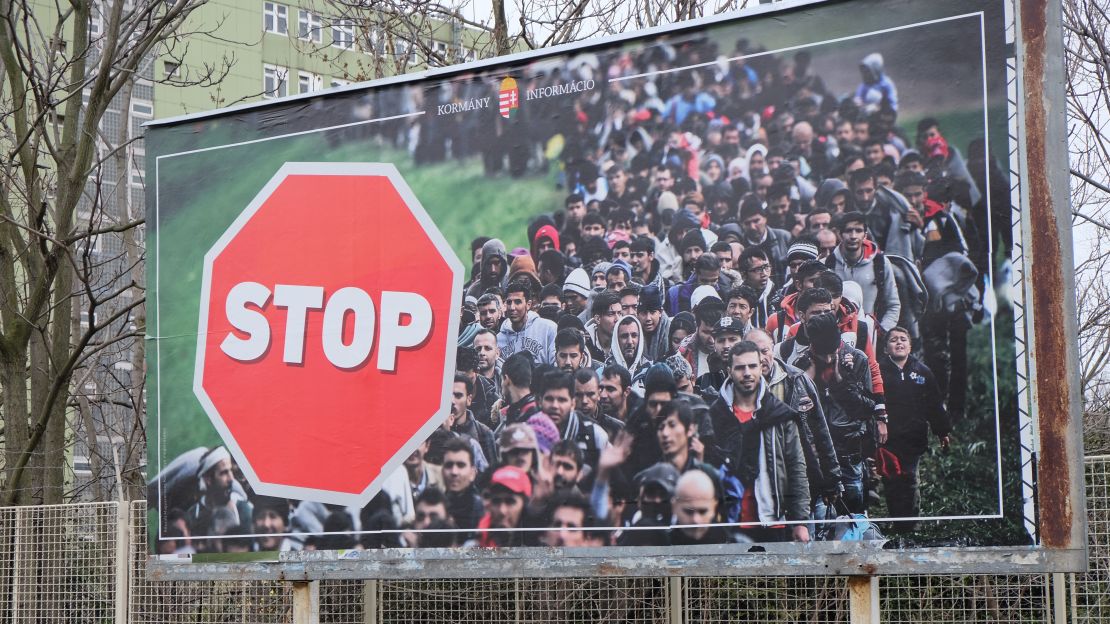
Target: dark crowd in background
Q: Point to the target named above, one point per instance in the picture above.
(748, 316)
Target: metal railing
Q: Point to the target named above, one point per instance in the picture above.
(86, 563)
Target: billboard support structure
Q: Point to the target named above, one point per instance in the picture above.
(1044, 138)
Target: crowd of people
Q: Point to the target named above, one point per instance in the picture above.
(748, 317)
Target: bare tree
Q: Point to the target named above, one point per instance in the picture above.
(1086, 24)
(71, 294)
(405, 35)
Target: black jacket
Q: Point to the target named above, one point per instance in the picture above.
(793, 387)
(913, 404)
(848, 404)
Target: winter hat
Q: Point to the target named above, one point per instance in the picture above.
(684, 321)
(730, 230)
(651, 298)
(547, 231)
(711, 159)
(547, 434)
(623, 267)
(601, 267)
(693, 238)
(517, 436)
(539, 222)
(802, 250)
(518, 252)
(659, 378)
(684, 219)
(663, 474)
(679, 366)
(577, 282)
(703, 292)
(853, 292)
(524, 266)
(667, 201)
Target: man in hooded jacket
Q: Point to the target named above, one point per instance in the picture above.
(627, 350)
(495, 266)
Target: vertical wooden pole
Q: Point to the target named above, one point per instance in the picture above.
(863, 595)
(306, 602)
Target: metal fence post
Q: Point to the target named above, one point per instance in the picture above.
(17, 543)
(676, 600)
(370, 602)
(1059, 598)
(123, 561)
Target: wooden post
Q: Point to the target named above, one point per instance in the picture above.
(863, 595)
(306, 602)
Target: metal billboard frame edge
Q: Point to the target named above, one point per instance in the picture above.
(1062, 522)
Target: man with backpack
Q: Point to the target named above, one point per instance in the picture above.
(859, 259)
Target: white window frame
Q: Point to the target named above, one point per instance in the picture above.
(343, 34)
(96, 23)
(280, 76)
(137, 107)
(135, 177)
(310, 27)
(84, 322)
(275, 18)
(308, 82)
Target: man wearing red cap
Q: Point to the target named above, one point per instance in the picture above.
(505, 499)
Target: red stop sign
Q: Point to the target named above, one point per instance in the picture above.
(328, 319)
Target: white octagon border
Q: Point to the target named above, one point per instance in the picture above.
(395, 462)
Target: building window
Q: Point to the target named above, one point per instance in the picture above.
(310, 27)
(142, 108)
(274, 81)
(170, 68)
(95, 25)
(275, 18)
(308, 82)
(339, 82)
(85, 319)
(343, 34)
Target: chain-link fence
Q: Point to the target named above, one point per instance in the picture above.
(87, 563)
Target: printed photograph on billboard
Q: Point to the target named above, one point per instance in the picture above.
(745, 282)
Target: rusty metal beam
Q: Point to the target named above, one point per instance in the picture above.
(1062, 517)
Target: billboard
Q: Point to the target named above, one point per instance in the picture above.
(747, 295)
